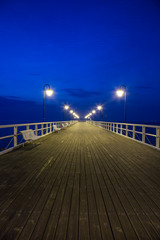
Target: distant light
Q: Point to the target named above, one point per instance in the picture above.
(99, 107)
(49, 92)
(71, 111)
(66, 107)
(120, 93)
(93, 111)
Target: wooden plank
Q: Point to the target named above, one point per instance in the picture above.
(94, 224)
(37, 221)
(58, 218)
(29, 197)
(84, 208)
(105, 224)
(30, 187)
(73, 223)
(125, 229)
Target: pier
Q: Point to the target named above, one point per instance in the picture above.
(82, 182)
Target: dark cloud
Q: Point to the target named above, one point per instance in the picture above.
(15, 100)
(80, 93)
(14, 97)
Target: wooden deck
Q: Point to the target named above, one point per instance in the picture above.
(81, 183)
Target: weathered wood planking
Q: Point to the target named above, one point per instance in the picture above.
(81, 183)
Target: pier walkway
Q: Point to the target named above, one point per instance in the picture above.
(80, 183)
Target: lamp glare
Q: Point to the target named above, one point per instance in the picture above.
(49, 92)
(99, 108)
(66, 107)
(120, 93)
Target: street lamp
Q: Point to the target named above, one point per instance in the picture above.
(49, 93)
(120, 92)
(65, 108)
(94, 112)
(99, 108)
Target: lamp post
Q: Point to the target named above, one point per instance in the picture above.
(120, 93)
(90, 114)
(99, 108)
(66, 107)
(94, 112)
(49, 93)
(71, 112)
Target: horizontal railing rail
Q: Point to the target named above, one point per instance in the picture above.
(11, 137)
(147, 134)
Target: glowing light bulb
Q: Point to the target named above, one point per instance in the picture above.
(66, 107)
(120, 93)
(49, 92)
(99, 107)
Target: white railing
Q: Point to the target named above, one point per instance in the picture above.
(12, 138)
(147, 134)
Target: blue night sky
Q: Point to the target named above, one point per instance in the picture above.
(85, 50)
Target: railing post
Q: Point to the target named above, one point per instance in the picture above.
(158, 137)
(27, 127)
(15, 136)
(42, 127)
(143, 134)
(50, 128)
(36, 129)
(134, 133)
(47, 128)
(126, 130)
(117, 128)
(121, 129)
